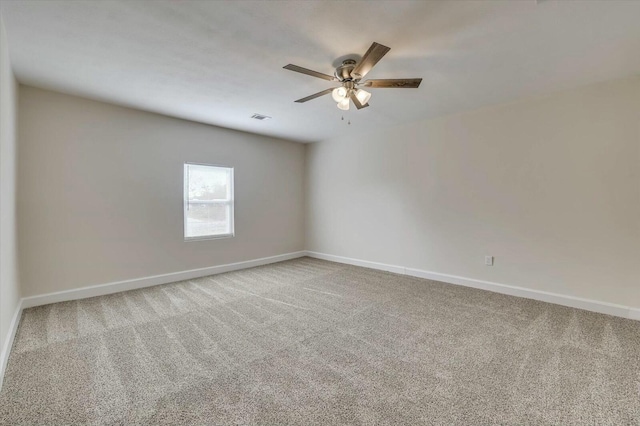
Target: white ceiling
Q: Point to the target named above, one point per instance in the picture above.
(219, 62)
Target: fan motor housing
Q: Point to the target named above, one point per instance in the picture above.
(343, 72)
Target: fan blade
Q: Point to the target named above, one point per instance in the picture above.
(373, 55)
(356, 101)
(315, 95)
(406, 83)
(312, 73)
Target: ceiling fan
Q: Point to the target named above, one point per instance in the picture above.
(350, 75)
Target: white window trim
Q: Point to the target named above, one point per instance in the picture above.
(230, 202)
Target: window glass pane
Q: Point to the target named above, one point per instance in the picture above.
(208, 204)
(208, 183)
(207, 219)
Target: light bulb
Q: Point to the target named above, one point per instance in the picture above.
(339, 93)
(363, 96)
(344, 104)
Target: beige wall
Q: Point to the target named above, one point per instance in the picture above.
(9, 290)
(550, 186)
(100, 193)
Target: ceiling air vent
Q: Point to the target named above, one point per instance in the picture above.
(261, 117)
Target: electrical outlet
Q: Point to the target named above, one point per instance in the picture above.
(488, 260)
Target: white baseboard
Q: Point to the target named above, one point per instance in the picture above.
(357, 262)
(634, 314)
(8, 343)
(134, 284)
(544, 296)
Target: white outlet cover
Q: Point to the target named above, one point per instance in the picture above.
(488, 260)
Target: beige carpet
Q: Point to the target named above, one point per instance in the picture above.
(313, 342)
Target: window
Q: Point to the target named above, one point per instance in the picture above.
(208, 201)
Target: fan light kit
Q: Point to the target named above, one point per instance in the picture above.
(350, 75)
(342, 95)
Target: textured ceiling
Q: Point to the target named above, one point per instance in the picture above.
(219, 62)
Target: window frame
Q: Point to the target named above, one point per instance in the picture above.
(230, 202)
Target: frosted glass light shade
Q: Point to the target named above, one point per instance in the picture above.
(363, 96)
(344, 104)
(339, 94)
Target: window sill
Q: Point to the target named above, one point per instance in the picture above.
(208, 237)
